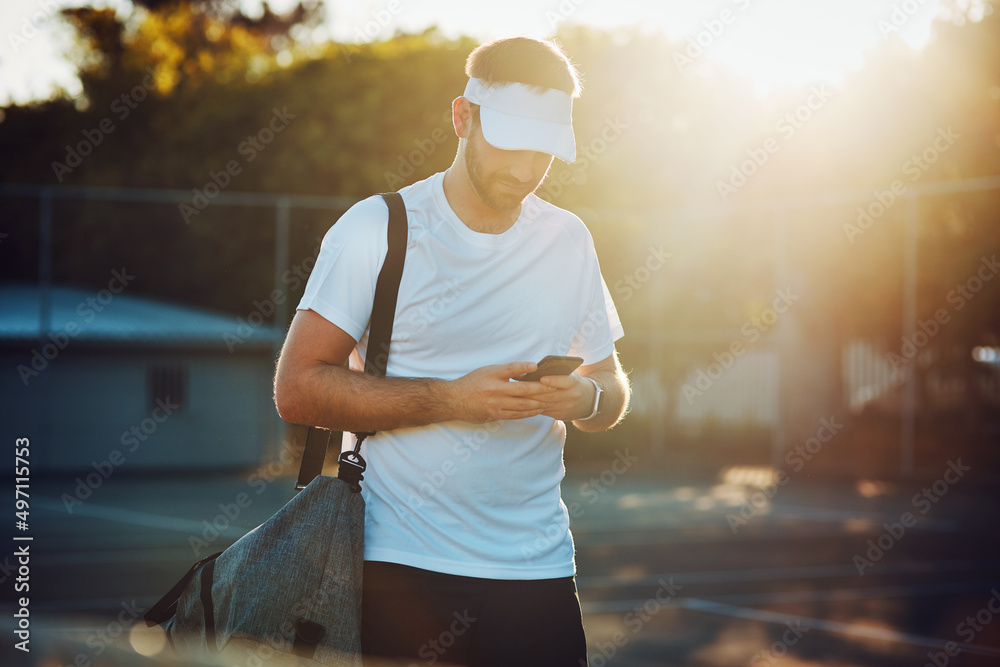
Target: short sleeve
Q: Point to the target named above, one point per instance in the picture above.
(600, 325)
(341, 287)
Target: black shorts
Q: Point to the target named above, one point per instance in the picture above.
(429, 618)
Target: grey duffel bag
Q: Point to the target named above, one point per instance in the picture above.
(289, 591)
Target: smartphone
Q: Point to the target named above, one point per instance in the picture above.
(552, 365)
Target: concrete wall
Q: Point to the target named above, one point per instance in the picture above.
(89, 403)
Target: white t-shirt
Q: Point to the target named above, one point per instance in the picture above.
(478, 500)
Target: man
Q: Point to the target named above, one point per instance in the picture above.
(468, 554)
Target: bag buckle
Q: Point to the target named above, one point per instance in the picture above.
(352, 465)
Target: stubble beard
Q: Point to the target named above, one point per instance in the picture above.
(487, 186)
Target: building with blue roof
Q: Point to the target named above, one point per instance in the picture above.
(104, 381)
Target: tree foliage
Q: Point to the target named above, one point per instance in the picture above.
(185, 86)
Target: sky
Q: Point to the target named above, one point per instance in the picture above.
(773, 42)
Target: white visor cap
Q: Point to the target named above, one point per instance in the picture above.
(514, 116)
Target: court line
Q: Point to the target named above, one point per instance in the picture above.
(815, 514)
(633, 536)
(136, 518)
(720, 606)
(670, 537)
(835, 515)
(97, 608)
(779, 618)
(837, 594)
(834, 627)
(780, 573)
(136, 554)
(584, 538)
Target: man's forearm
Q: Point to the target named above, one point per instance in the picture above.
(616, 397)
(337, 398)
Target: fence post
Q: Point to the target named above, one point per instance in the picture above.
(281, 251)
(780, 241)
(908, 413)
(657, 360)
(281, 261)
(44, 262)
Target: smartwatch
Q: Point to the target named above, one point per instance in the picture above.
(598, 399)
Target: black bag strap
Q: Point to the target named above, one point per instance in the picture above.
(207, 605)
(313, 456)
(352, 465)
(165, 608)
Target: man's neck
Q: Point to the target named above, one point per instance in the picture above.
(470, 209)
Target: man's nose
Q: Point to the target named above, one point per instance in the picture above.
(522, 165)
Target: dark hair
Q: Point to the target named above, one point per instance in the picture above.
(524, 60)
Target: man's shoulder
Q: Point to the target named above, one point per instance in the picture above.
(362, 228)
(364, 214)
(550, 212)
(374, 205)
(368, 219)
(560, 220)
(419, 194)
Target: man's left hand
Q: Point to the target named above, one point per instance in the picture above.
(573, 398)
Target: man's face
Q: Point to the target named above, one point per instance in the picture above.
(503, 179)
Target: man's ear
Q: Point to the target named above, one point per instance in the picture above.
(461, 117)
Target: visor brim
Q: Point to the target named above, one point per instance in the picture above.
(516, 133)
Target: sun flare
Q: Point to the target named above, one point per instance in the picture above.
(785, 42)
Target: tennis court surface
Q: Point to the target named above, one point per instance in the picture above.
(724, 570)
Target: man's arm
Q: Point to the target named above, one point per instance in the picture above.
(314, 386)
(574, 399)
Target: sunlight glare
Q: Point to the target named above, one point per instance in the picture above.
(791, 42)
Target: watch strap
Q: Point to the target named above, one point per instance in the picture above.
(599, 393)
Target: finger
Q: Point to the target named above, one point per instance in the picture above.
(530, 388)
(560, 407)
(559, 399)
(522, 414)
(516, 368)
(523, 404)
(559, 381)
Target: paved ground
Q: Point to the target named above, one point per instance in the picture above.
(723, 571)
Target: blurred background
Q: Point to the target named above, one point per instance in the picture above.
(795, 206)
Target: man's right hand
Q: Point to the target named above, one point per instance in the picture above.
(314, 386)
(487, 394)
